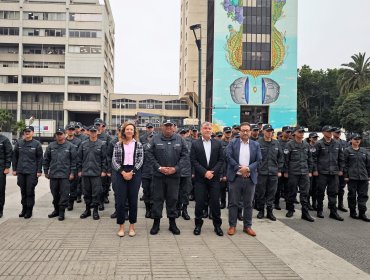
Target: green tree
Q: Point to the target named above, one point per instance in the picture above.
(355, 75)
(18, 127)
(5, 120)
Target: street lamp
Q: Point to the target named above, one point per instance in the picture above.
(197, 28)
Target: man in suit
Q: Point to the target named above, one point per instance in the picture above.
(243, 157)
(207, 158)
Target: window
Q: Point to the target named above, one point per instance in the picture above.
(36, 64)
(150, 104)
(85, 17)
(84, 81)
(9, 31)
(44, 16)
(85, 49)
(44, 32)
(176, 105)
(8, 64)
(124, 104)
(8, 79)
(44, 49)
(84, 97)
(85, 33)
(9, 15)
(43, 80)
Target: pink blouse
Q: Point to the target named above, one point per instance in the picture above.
(129, 150)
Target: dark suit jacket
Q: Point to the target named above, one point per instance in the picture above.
(199, 160)
(232, 155)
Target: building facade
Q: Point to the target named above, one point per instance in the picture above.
(56, 59)
(146, 108)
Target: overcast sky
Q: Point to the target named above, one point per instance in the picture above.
(148, 40)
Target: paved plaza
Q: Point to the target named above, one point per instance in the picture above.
(43, 248)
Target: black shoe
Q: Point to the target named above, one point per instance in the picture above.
(85, 214)
(28, 213)
(320, 215)
(223, 205)
(147, 210)
(362, 216)
(334, 215)
(53, 214)
(240, 214)
(173, 227)
(341, 208)
(114, 215)
(309, 206)
(61, 215)
(306, 216)
(101, 207)
(155, 228)
(23, 212)
(261, 214)
(205, 214)
(197, 230)
(218, 231)
(70, 206)
(277, 207)
(96, 214)
(270, 215)
(185, 213)
(289, 214)
(78, 200)
(106, 200)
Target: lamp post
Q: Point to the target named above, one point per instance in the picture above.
(198, 42)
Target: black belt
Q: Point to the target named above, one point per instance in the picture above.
(241, 176)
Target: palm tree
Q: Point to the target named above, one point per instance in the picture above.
(355, 75)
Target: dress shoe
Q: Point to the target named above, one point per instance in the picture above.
(106, 200)
(185, 213)
(223, 205)
(197, 230)
(240, 214)
(23, 212)
(270, 215)
(173, 227)
(101, 207)
(277, 207)
(334, 215)
(261, 214)
(218, 231)
(114, 215)
(53, 214)
(155, 228)
(96, 214)
(78, 200)
(28, 213)
(249, 231)
(341, 208)
(306, 216)
(289, 214)
(320, 215)
(231, 231)
(86, 213)
(70, 206)
(362, 216)
(353, 214)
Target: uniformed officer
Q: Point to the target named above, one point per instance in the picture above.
(92, 166)
(357, 175)
(6, 151)
(27, 166)
(298, 164)
(268, 173)
(60, 167)
(342, 184)
(168, 154)
(149, 131)
(283, 180)
(78, 132)
(254, 132)
(147, 177)
(328, 164)
(312, 139)
(73, 192)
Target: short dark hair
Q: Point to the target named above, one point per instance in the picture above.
(245, 123)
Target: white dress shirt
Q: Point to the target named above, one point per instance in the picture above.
(207, 148)
(244, 155)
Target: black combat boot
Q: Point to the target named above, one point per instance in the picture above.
(147, 210)
(340, 204)
(61, 214)
(334, 215)
(289, 214)
(96, 214)
(306, 215)
(114, 215)
(277, 206)
(198, 227)
(353, 214)
(173, 227)
(70, 205)
(54, 214)
(362, 216)
(28, 212)
(261, 214)
(185, 213)
(320, 214)
(23, 212)
(270, 215)
(155, 228)
(86, 213)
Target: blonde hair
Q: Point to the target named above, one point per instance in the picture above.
(122, 136)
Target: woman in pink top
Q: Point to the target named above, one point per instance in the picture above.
(127, 160)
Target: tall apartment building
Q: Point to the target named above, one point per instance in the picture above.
(56, 59)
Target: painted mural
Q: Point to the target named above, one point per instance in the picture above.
(255, 59)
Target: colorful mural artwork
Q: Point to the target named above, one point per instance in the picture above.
(255, 62)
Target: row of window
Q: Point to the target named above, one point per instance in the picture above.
(9, 15)
(43, 49)
(84, 97)
(47, 80)
(150, 104)
(85, 33)
(51, 16)
(84, 81)
(44, 16)
(8, 63)
(50, 32)
(37, 64)
(9, 31)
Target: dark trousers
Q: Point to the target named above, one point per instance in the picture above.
(127, 190)
(223, 191)
(303, 183)
(105, 183)
(27, 184)
(73, 189)
(361, 189)
(330, 184)
(241, 188)
(165, 188)
(313, 188)
(185, 185)
(281, 189)
(342, 185)
(207, 189)
(60, 190)
(92, 190)
(147, 184)
(114, 188)
(265, 191)
(2, 188)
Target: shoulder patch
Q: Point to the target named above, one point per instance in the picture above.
(286, 151)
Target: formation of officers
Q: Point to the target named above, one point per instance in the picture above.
(175, 165)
